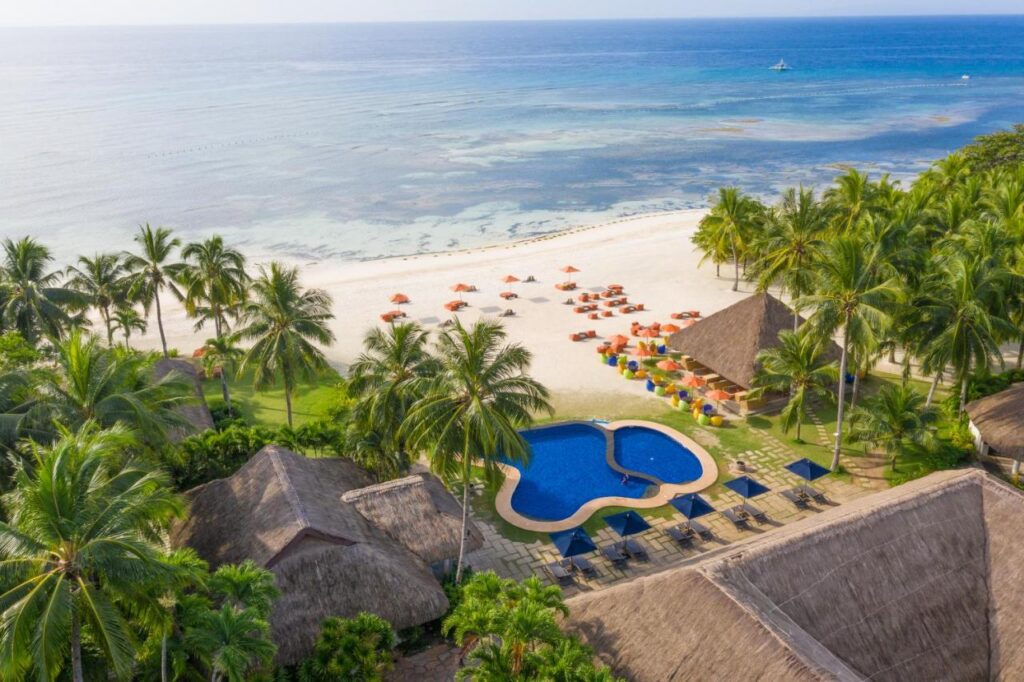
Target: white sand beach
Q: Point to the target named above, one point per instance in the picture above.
(651, 256)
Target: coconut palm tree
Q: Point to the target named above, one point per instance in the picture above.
(245, 586)
(797, 365)
(222, 355)
(103, 385)
(101, 280)
(849, 294)
(235, 642)
(471, 411)
(387, 377)
(849, 199)
(214, 283)
(32, 300)
(285, 323)
(896, 419)
(152, 271)
(729, 226)
(791, 244)
(79, 547)
(127, 320)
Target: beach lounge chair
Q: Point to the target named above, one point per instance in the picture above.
(639, 306)
(581, 565)
(739, 521)
(530, 278)
(754, 512)
(702, 531)
(508, 313)
(557, 573)
(815, 495)
(614, 555)
(684, 536)
(633, 549)
(606, 313)
(793, 496)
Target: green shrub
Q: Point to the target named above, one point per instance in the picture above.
(356, 649)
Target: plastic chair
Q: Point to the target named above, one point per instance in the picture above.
(708, 409)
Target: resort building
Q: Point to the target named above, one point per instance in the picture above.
(724, 346)
(920, 582)
(336, 544)
(997, 423)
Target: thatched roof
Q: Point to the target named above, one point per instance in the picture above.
(336, 544)
(728, 341)
(196, 413)
(918, 582)
(1000, 420)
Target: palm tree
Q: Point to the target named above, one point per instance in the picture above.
(797, 365)
(284, 323)
(32, 300)
(472, 409)
(222, 355)
(850, 295)
(387, 378)
(849, 200)
(107, 386)
(963, 319)
(152, 272)
(896, 419)
(101, 280)
(729, 226)
(233, 641)
(79, 548)
(791, 244)
(127, 320)
(214, 282)
(245, 586)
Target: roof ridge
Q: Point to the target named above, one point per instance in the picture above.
(288, 489)
(384, 486)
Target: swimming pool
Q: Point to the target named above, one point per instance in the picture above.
(578, 467)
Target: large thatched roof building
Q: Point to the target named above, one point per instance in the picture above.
(196, 414)
(728, 341)
(336, 544)
(921, 582)
(997, 422)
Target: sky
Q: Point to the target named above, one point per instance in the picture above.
(74, 12)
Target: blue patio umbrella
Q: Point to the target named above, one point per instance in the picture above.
(746, 486)
(691, 506)
(572, 542)
(806, 469)
(627, 523)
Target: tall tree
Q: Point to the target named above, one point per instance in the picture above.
(285, 324)
(896, 419)
(33, 301)
(472, 409)
(152, 271)
(101, 280)
(126, 320)
(214, 283)
(234, 642)
(850, 294)
(80, 546)
(729, 226)
(222, 355)
(849, 200)
(797, 365)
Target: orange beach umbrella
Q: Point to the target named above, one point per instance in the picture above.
(718, 394)
(399, 299)
(669, 365)
(618, 340)
(508, 279)
(643, 352)
(460, 287)
(649, 333)
(669, 328)
(693, 381)
(569, 269)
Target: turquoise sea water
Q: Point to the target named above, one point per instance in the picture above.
(360, 141)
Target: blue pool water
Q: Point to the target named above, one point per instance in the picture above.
(641, 449)
(568, 468)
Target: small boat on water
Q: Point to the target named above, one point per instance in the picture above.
(781, 66)
(965, 77)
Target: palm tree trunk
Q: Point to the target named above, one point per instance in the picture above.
(931, 389)
(856, 385)
(105, 314)
(288, 402)
(76, 649)
(799, 423)
(963, 393)
(736, 263)
(224, 388)
(718, 269)
(163, 659)
(160, 322)
(1020, 352)
(841, 396)
(467, 471)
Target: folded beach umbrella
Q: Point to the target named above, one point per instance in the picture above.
(509, 279)
(806, 469)
(399, 299)
(627, 522)
(669, 365)
(746, 486)
(573, 542)
(691, 506)
(693, 381)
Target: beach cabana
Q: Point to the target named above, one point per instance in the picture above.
(997, 424)
(746, 487)
(336, 543)
(691, 506)
(917, 582)
(807, 469)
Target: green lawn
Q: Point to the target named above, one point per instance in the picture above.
(309, 401)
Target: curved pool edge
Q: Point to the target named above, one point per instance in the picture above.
(666, 491)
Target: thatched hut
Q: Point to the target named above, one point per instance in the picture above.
(196, 414)
(727, 342)
(920, 582)
(336, 544)
(997, 422)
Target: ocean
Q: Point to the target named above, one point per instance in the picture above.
(351, 142)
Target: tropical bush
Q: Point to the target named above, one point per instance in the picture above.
(357, 649)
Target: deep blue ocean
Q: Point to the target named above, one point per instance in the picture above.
(360, 141)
